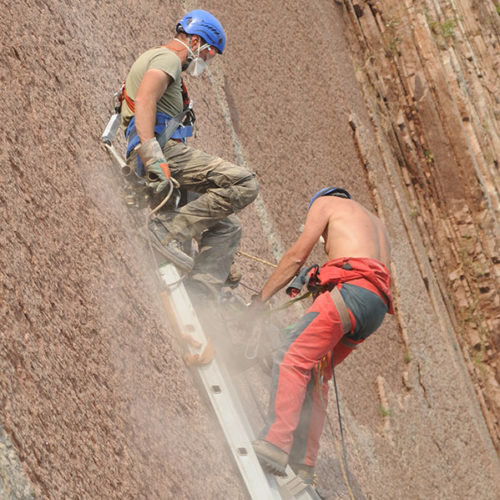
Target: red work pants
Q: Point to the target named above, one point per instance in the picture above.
(297, 410)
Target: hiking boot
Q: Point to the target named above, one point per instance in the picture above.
(164, 243)
(272, 458)
(305, 472)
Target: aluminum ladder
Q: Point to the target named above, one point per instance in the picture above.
(222, 396)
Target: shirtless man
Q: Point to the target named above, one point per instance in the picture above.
(354, 296)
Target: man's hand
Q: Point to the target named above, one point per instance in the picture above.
(157, 171)
(158, 175)
(257, 307)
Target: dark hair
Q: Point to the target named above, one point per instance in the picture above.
(180, 31)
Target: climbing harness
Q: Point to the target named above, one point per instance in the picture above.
(303, 278)
(178, 127)
(166, 127)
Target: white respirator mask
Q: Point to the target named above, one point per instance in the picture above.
(196, 65)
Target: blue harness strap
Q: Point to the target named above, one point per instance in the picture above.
(182, 133)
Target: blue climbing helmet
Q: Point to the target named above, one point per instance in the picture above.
(330, 191)
(202, 23)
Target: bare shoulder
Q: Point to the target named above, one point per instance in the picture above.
(343, 213)
(322, 209)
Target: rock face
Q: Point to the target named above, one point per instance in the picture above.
(95, 397)
(430, 72)
(396, 100)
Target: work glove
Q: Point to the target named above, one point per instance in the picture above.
(157, 171)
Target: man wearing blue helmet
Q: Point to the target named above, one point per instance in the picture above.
(352, 295)
(155, 101)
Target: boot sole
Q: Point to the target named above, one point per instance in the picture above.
(271, 466)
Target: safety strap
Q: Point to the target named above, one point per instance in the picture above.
(341, 309)
(128, 99)
(338, 300)
(123, 96)
(166, 128)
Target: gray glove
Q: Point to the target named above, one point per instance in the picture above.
(157, 171)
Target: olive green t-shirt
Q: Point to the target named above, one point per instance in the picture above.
(156, 58)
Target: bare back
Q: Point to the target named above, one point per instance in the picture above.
(349, 230)
(353, 231)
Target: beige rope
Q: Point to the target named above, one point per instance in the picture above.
(335, 441)
(262, 261)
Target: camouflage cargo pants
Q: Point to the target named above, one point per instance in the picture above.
(224, 189)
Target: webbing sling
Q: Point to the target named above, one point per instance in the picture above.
(173, 125)
(130, 102)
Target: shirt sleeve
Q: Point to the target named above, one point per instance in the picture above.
(167, 62)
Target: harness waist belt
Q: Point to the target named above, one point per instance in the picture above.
(164, 123)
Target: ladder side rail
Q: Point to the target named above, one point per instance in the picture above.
(259, 485)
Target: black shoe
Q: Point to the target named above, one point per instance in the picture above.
(305, 472)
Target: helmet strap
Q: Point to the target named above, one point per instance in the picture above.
(190, 55)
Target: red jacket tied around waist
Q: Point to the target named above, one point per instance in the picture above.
(350, 269)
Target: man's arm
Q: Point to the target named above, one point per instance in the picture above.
(295, 257)
(153, 85)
